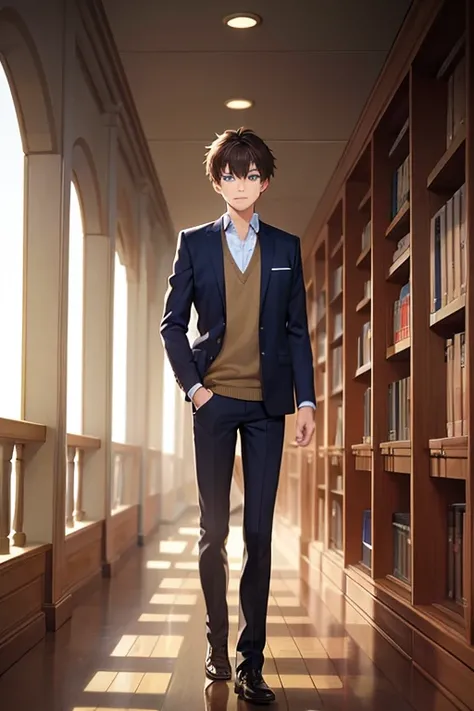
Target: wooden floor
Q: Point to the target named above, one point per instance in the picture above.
(138, 644)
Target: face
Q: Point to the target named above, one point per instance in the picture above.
(241, 193)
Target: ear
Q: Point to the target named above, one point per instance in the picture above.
(264, 186)
(217, 187)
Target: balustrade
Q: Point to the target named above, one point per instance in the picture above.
(125, 475)
(16, 437)
(78, 447)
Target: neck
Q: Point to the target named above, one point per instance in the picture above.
(241, 220)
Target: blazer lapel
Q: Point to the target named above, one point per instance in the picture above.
(217, 257)
(267, 248)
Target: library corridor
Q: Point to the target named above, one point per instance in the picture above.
(132, 281)
(137, 643)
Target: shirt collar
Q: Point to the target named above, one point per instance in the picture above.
(254, 222)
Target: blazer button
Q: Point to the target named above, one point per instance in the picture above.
(219, 340)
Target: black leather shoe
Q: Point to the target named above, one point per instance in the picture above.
(251, 687)
(217, 663)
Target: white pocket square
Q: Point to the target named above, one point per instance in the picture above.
(281, 269)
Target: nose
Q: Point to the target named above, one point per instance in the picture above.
(241, 185)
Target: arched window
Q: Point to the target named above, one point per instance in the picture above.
(12, 160)
(119, 387)
(75, 333)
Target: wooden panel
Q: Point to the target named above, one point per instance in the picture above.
(22, 596)
(24, 637)
(382, 616)
(151, 513)
(83, 555)
(332, 568)
(23, 603)
(123, 531)
(442, 666)
(19, 571)
(428, 694)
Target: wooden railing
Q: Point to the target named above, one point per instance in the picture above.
(14, 437)
(78, 446)
(125, 475)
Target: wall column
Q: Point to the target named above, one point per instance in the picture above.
(47, 201)
(45, 364)
(137, 411)
(98, 352)
(112, 122)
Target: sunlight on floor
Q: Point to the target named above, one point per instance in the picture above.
(148, 646)
(159, 599)
(177, 547)
(164, 617)
(129, 682)
(185, 590)
(158, 564)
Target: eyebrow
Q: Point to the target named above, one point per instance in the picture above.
(254, 170)
(251, 172)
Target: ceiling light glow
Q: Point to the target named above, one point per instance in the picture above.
(242, 21)
(239, 104)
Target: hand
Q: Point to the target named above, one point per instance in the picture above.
(201, 396)
(304, 426)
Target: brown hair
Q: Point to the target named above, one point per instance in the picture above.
(238, 149)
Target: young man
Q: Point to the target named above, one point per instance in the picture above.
(253, 356)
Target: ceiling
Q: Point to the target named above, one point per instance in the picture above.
(309, 67)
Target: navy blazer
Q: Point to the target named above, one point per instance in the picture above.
(285, 346)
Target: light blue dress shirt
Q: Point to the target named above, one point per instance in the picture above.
(242, 251)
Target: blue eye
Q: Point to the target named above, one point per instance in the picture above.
(254, 177)
(227, 178)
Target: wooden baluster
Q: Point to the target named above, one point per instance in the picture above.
(6, 454)
(19, 536)
(124, 478)
(118, 477)
(71, 456)
(127, 474)
(137, 470)
(79, 513)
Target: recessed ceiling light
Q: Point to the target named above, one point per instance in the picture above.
(242, 20)
(239, 104)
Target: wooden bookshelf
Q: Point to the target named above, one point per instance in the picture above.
(402, 468)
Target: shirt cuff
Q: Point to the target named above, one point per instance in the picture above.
(307, 403)
(194, 389)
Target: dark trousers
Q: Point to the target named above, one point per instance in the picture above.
(215, 435)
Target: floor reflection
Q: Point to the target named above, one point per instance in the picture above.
(138, 644)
